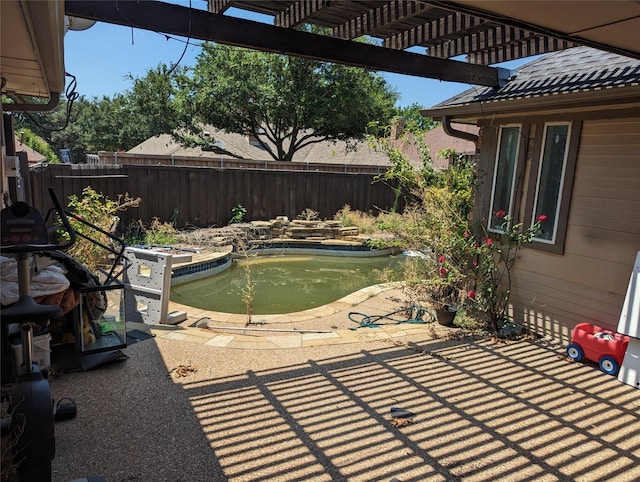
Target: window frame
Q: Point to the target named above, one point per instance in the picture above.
(527, 168)
(517, 168)
(571, 157)
(538, 178)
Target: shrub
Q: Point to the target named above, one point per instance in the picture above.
(237, 214)
(309, 215)
(365, 223)
(100, 211)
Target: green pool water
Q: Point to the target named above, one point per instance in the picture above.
(283, 284)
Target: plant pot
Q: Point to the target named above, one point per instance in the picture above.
(446, 314)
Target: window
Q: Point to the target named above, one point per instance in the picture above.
(533, 167)
(550, 179)
(504, 176)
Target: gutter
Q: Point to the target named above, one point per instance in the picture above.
(467, 136)
(568, 102)
(17, 106)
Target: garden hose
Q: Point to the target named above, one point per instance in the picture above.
(416, 315)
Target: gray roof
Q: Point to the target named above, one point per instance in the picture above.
(238, 146)
(567, 71)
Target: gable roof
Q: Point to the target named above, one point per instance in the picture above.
(230, 145)
(32, 156)
(578, 70)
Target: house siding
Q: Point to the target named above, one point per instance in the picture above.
(553, 292)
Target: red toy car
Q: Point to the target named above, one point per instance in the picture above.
(605, 347)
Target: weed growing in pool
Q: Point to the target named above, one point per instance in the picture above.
(248, 290)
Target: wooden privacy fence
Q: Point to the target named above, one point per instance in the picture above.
(128, 159)
(204, 197)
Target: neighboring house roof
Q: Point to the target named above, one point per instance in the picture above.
(546, 80)
(438, 139)
(236, 145)
(239, 146)
(32, 156)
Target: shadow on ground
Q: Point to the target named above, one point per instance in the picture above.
(483, 411)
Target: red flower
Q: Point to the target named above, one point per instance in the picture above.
(443, 271)
(465, 234)
(489, 241)
(501, 214)
(542, 218)
(475, 264)
(441, 259)
(471, 294)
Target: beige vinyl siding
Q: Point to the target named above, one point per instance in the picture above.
(553, 292)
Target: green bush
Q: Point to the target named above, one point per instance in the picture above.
(237, 214)
(34, 142)
(96, 209)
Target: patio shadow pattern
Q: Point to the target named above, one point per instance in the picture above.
(483, 411)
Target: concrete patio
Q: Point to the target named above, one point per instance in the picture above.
(185, 408)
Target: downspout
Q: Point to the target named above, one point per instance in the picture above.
(467, 136)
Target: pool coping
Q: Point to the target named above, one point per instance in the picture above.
(226, 337)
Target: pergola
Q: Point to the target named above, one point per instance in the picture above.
(446, 40)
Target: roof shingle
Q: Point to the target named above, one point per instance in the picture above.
(567, 71)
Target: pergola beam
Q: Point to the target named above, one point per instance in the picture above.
(203, 25)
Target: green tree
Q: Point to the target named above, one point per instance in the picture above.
(54, 128)
(286, 102)
(89, 126)
(113, 123)
(414, 122)
(157, 100)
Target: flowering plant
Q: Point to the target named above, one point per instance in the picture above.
(469, 261)
(437, 281)
(493, 257)
(456, 258)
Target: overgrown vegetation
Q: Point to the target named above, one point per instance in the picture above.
(157, 233)
(31, 140)
(309, 214)
(94, 209)
(453, 259)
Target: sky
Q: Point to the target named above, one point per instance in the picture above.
(105, 55)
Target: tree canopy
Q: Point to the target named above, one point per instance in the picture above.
(286, 102)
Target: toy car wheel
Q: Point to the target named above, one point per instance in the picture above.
(575, 352)
(609, 365)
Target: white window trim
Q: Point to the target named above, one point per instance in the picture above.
(495, 172)
(564, 169)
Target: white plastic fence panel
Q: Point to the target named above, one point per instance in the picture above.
(629, 323)
(630, 369)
